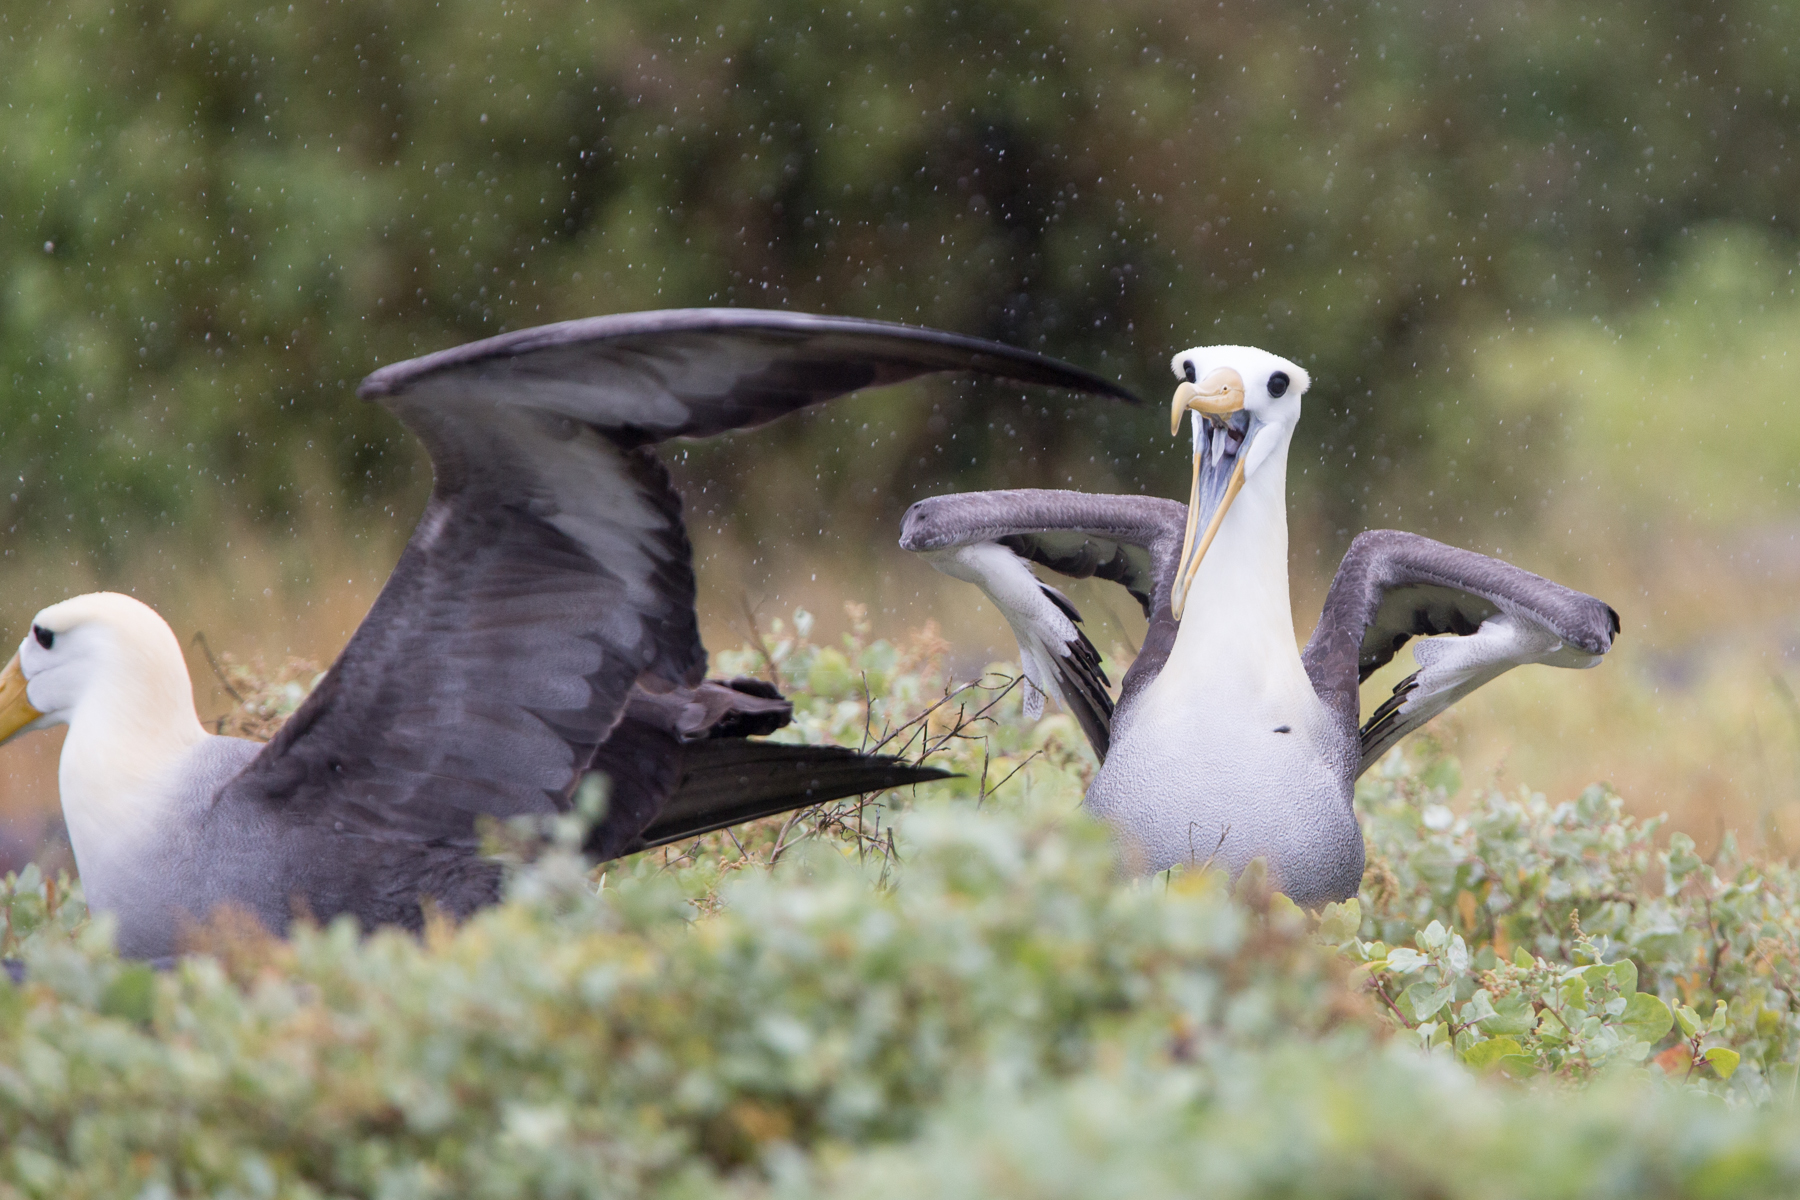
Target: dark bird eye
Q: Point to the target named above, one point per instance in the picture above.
(44, 636)
(1278, 383)
(1193, 376)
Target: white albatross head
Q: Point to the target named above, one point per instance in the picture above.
(111, 670)
(106, 660)
(1245, 403)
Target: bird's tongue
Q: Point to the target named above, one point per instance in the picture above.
(1224, 442)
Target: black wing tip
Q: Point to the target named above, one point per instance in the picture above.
(765, 779)
(1388, 708)
(1083, 684)
(1065, 605)
(901, 773)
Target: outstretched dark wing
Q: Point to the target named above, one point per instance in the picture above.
(1395, 586)
(550, 571)
(987, 538)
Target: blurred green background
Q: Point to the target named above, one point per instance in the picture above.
(1539, 259)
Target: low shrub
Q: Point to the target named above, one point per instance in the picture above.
(949, 994)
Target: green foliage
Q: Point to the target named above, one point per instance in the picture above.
(583, 1043)
(37, 911)
(950, 994)
(1521, 933)
(215, 217)
(1296, 1122)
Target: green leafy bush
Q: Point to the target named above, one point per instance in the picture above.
(953, 994)
(1522, 932)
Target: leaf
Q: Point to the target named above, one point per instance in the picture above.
(1624, 976)
(1721, 1015)
(1690, 1020)
(1646, 1018)
(1283, 909)
(1522, 958)
(1340, 922)
(1402, 960)
(1487, 1054)
(1433, 937)
(1679, 862)
(1425, 998)
(1723, 1061)
(1513, 1014)
(1479, 1008)
(1458, 954)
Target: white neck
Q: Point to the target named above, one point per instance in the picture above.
(124, 740)
(1235, 647)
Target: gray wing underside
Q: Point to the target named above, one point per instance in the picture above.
(1394, 586)
(987, 538)
(550, 573)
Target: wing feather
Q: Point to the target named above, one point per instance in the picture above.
(1482, 617)
(989, 538)
(550, 574)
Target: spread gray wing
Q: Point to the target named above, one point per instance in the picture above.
(551, 572)
(1394, 586)
(988, 538)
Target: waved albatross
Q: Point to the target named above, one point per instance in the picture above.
(539, 625)
(1228, 742)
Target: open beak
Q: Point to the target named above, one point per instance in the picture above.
(1221, 434)
(15, 710)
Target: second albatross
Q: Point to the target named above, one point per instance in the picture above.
(1228, 742)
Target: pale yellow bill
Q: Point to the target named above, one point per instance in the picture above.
(1221, 392)
(15, 710)
(1190, 566)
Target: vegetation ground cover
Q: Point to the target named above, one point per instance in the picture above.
(953, 993)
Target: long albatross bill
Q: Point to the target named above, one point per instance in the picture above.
(15, 707)
(1226, 743)
(1191, 554)
(1212, 400)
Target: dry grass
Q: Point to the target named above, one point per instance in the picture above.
(1692, 714)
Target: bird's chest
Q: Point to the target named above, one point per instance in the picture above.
(1229, 685)
(1247, 745)
(1225, 765)
(138, 881)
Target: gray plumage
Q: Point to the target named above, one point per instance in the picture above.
(1391, 587)
(1132, 541)
(540, 624)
